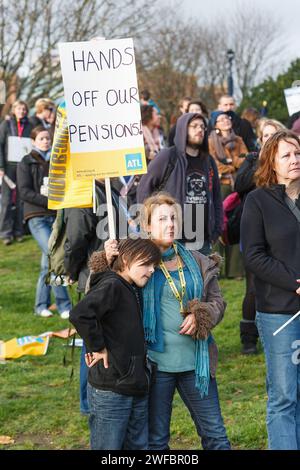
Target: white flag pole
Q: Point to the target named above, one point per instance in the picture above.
(111, 222)
(286, 323)
(94, 196)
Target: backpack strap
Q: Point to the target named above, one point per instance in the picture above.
(170, 167)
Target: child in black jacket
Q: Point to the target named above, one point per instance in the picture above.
(109, 320)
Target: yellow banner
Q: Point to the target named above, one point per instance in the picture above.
(64, 190)
(27, 345)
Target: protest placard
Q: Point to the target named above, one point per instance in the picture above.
(104, 121)
(18, 147)
(292, 98)
(63, 190)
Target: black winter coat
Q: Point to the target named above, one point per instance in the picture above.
(110, 317)
(30, 173)
(270, 237)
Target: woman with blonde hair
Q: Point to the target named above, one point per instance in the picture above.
(182, 303)
(267, 127)
(271, 245)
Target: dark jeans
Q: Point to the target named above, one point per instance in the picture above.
(117, 421)
(205, 412)
(11, 215)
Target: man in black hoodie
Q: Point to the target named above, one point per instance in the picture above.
(190, 175)
(109, 319)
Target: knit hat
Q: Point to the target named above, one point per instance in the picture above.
(214, 116)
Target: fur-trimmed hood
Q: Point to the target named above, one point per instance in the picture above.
(98, 262)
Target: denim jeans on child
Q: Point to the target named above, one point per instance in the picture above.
(40, 228)
(205, 412)
(283, 379)
(117, 421)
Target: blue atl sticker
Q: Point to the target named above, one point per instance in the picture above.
(134, 161)
(29, 340)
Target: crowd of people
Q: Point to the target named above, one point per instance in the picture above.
(150, 299)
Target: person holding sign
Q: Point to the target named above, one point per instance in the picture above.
(14, 133)
(182, 302)
(31, 172)
(270, 239)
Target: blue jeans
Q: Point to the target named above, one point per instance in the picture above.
(283, 379)
(117, 421)
(83, 376)
(205, 412)
(40, 228)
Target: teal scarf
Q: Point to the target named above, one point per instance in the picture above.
(151, 308)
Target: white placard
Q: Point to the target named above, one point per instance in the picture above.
(18, 147)
(103, 108)
(292, 97)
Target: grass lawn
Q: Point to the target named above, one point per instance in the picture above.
(39, 404)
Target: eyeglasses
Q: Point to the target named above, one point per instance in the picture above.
(197, 126)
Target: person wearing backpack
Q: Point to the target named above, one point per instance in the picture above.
(189, 174)
(109, 319)
(31, 171)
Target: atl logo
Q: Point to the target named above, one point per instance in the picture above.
(134, 161)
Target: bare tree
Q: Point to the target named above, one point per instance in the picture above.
(31, 29)
(175, 55)
(169, 63)
(256, 36)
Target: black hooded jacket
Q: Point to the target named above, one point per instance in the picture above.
(176, 183)
(110, 317)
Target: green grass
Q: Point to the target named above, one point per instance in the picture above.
(39, 405)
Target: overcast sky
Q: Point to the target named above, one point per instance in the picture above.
(287, 10)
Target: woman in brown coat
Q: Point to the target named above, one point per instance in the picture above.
(227, 149)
